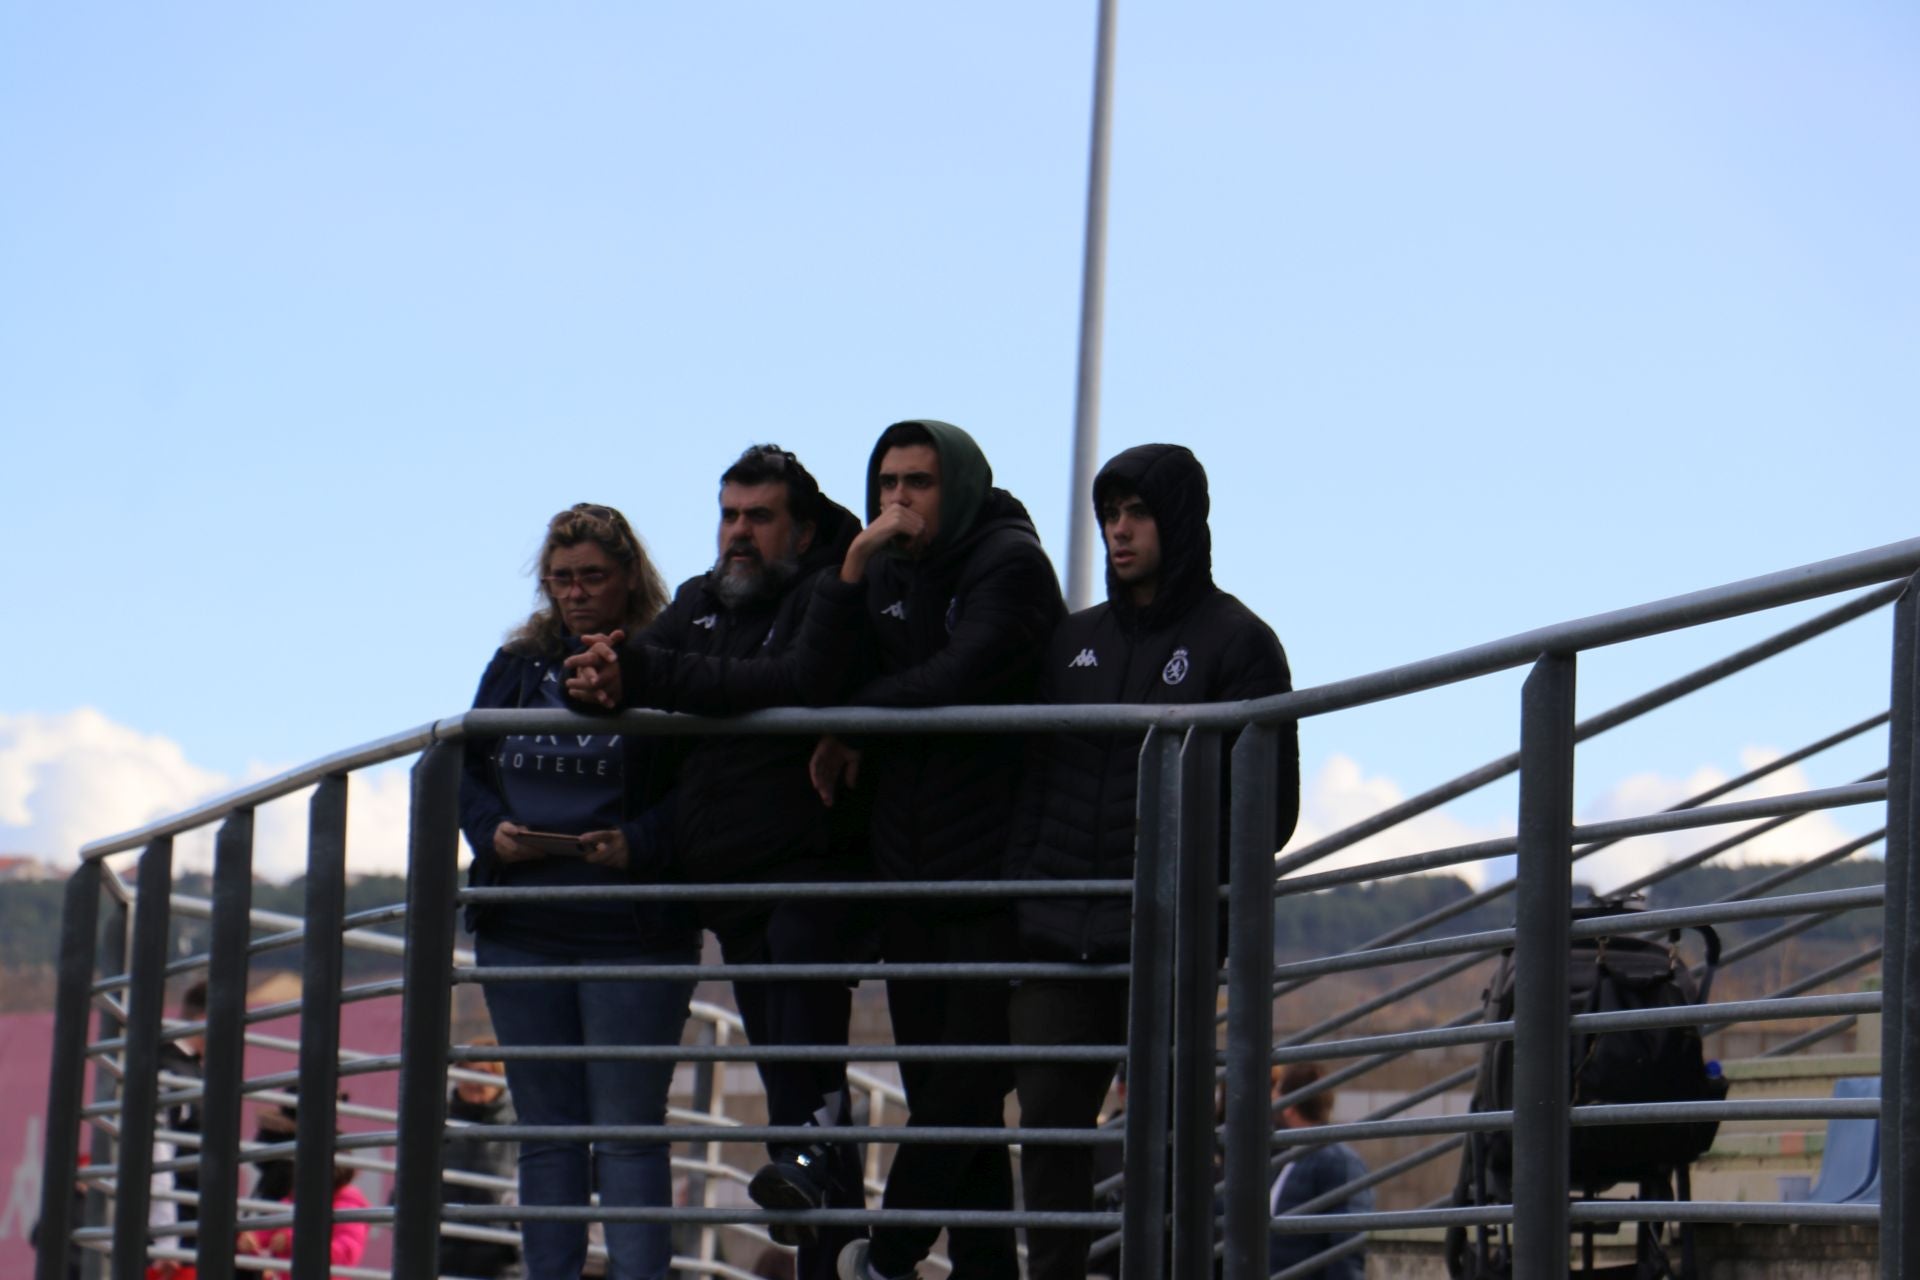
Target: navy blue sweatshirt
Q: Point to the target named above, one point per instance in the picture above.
(570, 783)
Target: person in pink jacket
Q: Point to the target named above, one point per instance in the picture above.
(349, 1238)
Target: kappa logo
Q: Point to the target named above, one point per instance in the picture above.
(1176, 669)
(552, 677)
(1085, 658)
(898, 609)
(707, 621)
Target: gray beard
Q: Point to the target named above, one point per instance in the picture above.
(761, 583)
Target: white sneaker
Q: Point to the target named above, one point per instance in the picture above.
(852, 1264)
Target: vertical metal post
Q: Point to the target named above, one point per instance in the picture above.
(426, 1008)
(1900, 970)
(79, 929)
(1250, 1004)
(1143, 1227)
(223, 1060)
(321, 949)
(1196, 1000)
(146, 994)
(1542, 1083)
(700, 1152)
(1093, 291)
(106, 1085)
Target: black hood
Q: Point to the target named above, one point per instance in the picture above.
(1174, 486)
(833, 530)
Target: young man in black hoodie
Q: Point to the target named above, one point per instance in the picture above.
(736, 639)
(1166, 634)
(955, 598)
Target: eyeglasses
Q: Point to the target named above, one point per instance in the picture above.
(588, 580)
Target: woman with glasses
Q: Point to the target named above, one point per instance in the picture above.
(564, 811)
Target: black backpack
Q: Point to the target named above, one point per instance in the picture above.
(1657, 1064)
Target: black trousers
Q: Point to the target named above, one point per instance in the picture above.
(805, 931)
(967, 1095)
(1063, 1095)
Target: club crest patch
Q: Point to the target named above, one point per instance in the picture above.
(1176, 669)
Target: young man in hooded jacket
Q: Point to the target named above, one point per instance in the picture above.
(954, 597)
(1166, 634)
(737, 639)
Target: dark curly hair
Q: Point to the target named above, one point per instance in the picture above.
(768, 463)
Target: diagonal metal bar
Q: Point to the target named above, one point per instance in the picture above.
(1493, 893)
(1613, 717)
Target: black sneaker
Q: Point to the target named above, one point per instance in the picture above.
(789, 1183)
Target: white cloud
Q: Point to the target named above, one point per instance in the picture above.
(1646, 793)
(1342, 793)
(77, 776)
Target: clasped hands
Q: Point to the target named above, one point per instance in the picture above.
(594, 681)
(594, 678)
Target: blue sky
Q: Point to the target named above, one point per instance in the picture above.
(1481, 317)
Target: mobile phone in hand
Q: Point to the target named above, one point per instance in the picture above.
(552, 843)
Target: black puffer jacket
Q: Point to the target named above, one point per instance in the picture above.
(1194, 643)
(963, 626)
(743, 807)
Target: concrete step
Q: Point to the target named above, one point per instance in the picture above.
(1725, 1252)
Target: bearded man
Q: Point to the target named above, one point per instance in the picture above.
(734, 640)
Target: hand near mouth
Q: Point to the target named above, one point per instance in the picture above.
(895, 526)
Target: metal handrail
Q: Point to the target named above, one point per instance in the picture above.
(1748, 595)
(1734, 599)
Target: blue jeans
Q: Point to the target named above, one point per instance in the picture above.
(577, 1093)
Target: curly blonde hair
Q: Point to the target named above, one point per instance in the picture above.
(543, 633)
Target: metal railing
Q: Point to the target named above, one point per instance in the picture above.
(713, 1024)
(1175, 1211)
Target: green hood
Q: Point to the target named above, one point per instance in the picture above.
(965, 478)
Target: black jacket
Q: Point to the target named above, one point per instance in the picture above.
(743, 807)
(963, 626)
(1194, 643)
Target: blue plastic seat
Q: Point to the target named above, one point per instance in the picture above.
(1850, 1163)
